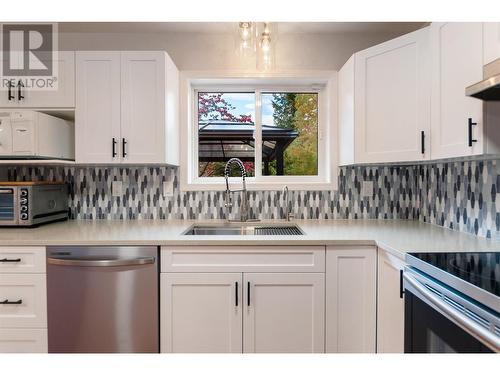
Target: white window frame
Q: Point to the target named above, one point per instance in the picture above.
(323, 83)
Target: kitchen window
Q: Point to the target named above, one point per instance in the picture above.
(280, 132)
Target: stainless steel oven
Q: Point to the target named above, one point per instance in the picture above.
(452, 303)
(32, 203)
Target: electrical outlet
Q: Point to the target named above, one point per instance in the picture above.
(168, 188)
(367, 189)
(116, 189)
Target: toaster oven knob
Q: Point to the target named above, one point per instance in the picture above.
(24, 208)
(24, 216)
(24, 200)
(24, 193)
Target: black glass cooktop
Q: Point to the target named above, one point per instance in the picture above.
(479, 269)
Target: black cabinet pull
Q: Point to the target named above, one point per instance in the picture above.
(114, 147)
(422, 142)
(248, 293)
(401, 289)
(236, 288)
(20, 95)
(7, 260)
(7, 302)
(124, 151)
(11, 96)
(471, 124)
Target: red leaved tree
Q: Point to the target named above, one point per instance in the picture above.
(215, 107)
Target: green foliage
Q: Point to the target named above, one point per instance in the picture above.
(284, 110)
(298, 112)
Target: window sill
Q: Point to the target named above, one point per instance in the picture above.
(309, 186)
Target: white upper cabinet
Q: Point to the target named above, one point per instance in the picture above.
(138, 103)
(145, 106)
(347, 142)
(391, 113)
(491, 45)
(97, 120)
(457, 62)
(62, 96)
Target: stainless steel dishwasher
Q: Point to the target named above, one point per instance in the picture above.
(103, 299)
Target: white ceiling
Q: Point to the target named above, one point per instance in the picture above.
(229, 27)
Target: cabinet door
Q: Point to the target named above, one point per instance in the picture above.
(390, 304)
(201, 312)
(97, 121)
(346, 113)
(27, 294)
(22, 259)
(5, 136)
(284, 313)
(457, 62)
(392, 100)
(491, 39)
(143, 107)
(14, 340)
(64, 95)
(351, 282)
(7, 101)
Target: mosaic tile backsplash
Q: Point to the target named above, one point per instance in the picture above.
(460, 195)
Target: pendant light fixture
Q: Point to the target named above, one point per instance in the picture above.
(257, 40)
(265, 56)
(246, 39)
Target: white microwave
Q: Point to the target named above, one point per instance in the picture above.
(35, 135)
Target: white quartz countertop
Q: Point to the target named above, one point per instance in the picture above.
(396, 236)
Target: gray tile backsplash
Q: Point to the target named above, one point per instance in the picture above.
(461, 195)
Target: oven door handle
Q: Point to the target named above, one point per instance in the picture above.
(100, 262)
(476, 330)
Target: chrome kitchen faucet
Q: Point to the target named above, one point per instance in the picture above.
(244, 201)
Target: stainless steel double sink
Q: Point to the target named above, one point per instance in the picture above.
(244, 229)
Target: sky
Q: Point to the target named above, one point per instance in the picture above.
(244, 104)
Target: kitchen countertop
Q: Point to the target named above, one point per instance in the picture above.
(396, 236)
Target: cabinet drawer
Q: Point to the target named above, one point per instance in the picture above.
(243, 259)
(22, 259)
(15, 340)
(29, 294)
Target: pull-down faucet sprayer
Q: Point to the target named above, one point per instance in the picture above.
(244, 201)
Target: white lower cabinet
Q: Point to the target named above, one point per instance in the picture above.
(226, 299)
(23, 300)
(351, 293)
(19, 340)
(201, 312)
(284, 313)
(390, 304)
(22, 259)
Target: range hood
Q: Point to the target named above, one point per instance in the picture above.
(489, 88)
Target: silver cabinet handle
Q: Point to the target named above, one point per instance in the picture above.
(476, 330)
(100, 262)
